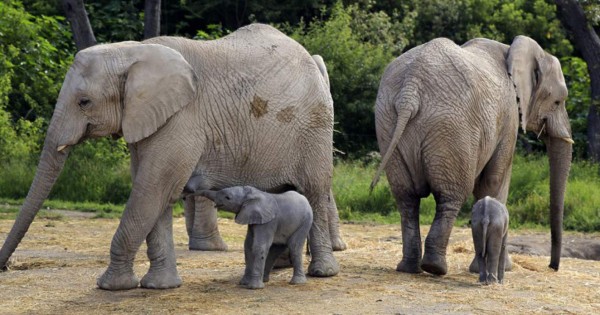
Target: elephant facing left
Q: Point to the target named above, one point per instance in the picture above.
(252, 108)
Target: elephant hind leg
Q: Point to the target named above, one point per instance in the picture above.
(337, 242)
(436, 243)
(323, 263)
(411, 236)
(274, 252)
(201, 223)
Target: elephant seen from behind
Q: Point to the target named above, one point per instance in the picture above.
(447, 118)
(276, 222)
(251, 108)
(489, 227)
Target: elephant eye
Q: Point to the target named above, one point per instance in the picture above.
(84, 101)
(227, 197)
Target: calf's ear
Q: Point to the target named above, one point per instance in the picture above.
(259, 208)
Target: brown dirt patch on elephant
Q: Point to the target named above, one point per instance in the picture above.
(56, 266)
(258, 107)
(286, 115)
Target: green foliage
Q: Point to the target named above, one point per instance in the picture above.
(528, 200)
(95, 171)
(19, 148)
(115, 20)
(578, 103)
(35, 52)
(501, 20)
(356, 45)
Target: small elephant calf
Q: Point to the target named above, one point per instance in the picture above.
(489, 225)
(276, 222)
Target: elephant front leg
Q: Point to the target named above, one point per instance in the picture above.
(436, 243)
(247, 257)
(203, 230)
(161, 252)
(411, 237)
(134, 227)
(323, 263)
(253, 279)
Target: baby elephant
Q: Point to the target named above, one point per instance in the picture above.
(276, 222)
(489, 224)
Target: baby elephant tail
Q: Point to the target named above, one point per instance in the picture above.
(484, 226)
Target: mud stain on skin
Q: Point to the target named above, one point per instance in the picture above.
(320, 117)
(258, 107)
(286, 115)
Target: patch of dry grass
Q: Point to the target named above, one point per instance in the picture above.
(56, 267)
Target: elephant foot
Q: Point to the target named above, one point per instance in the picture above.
(323, 266)
(255, 285)
(338, 244)
(409, 266)
(252, 282)
(434, 264)
(163, 279)
(214, 243)
(474, 266)
(300, 279)
(113, 280)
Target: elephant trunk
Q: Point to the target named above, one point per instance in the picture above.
(212, 195)
(49, 167)
(559, 155)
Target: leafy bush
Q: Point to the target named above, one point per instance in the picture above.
(35, 53)
(96, 171)
(356, 45)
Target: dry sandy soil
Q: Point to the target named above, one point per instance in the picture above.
(55, 267)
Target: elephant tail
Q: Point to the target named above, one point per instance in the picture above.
(402, 120)
(484, 226)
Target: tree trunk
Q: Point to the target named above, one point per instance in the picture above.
(586, 40)
(80, 24)
(151, 18)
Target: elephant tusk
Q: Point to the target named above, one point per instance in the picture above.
(61, 147)
(569, 140)
(541, 130)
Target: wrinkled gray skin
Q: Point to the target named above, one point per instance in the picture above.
(276, 222)
(184, 107)
(201, 214)
(489, 226)
(447, 118)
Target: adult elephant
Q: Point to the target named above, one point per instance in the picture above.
(250, 108)
(447, 118)
(201, 213)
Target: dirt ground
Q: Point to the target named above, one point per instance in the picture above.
(55, 268)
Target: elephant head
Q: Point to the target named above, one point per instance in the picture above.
(541, 93)
(127, 89)
(250, 205)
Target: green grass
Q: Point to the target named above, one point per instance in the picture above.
(528, 200)
(107, 210)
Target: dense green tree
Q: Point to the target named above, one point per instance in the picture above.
(35, 52)
(587, 42)
(356, 45)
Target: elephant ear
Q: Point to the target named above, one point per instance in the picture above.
(523, 62)
(322, 68)
(159, 83)
(259, 207)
